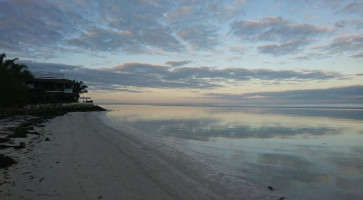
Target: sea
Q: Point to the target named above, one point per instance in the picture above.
(301, 151)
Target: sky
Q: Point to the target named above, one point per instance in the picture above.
(193, 51)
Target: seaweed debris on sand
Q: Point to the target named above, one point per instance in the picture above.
(18, 122)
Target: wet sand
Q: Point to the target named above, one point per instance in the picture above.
(86, 158)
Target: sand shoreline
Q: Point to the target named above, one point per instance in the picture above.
(87, 158)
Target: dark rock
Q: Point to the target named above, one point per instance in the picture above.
(271, 188)
(5, 146)
(4, 140)
(19, 132)
(47, 139)
(22, 144)
(6, 161)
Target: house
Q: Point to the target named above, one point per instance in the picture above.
(48, 87)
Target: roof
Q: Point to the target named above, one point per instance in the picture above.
(48, 75)
(52, 80)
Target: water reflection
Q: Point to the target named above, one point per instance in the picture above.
(204, 122)
(340, 113)
(203, 129)
(304, 153)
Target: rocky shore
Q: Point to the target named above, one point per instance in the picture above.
(49, 110)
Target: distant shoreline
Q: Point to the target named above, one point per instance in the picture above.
(297, 106)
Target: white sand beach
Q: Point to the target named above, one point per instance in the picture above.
(88, 159)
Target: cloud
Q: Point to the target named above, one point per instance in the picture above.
(42, 25)
(107, 40)
(351, 94)
(359, 55)
(178, 63)
(290, 47)
(352, 8)
(130, 41)
(217, 76)
(44, 29)
(289, 37)
(224, 11)
(137, 75)
(311, 55)
(160, 38)
(196, 22)
(344, 43)
(238, 49)
(32, 26)
(276, 29)
(182, 11)
(200, 37)
(203, 12)
(143, 75)
(357, 24)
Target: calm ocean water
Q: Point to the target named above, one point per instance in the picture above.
(303, 152)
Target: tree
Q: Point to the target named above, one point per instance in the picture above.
(79, 88)
(13, 78)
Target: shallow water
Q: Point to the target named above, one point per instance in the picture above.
(304, 153)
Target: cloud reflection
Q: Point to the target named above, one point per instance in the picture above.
(204, 123)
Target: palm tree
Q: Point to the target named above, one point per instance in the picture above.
(18, 71)
(13, 78)
(2, 56)
(79, 88)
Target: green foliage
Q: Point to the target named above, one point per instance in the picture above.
(13, 77)
(79, 88)
(14, 92)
